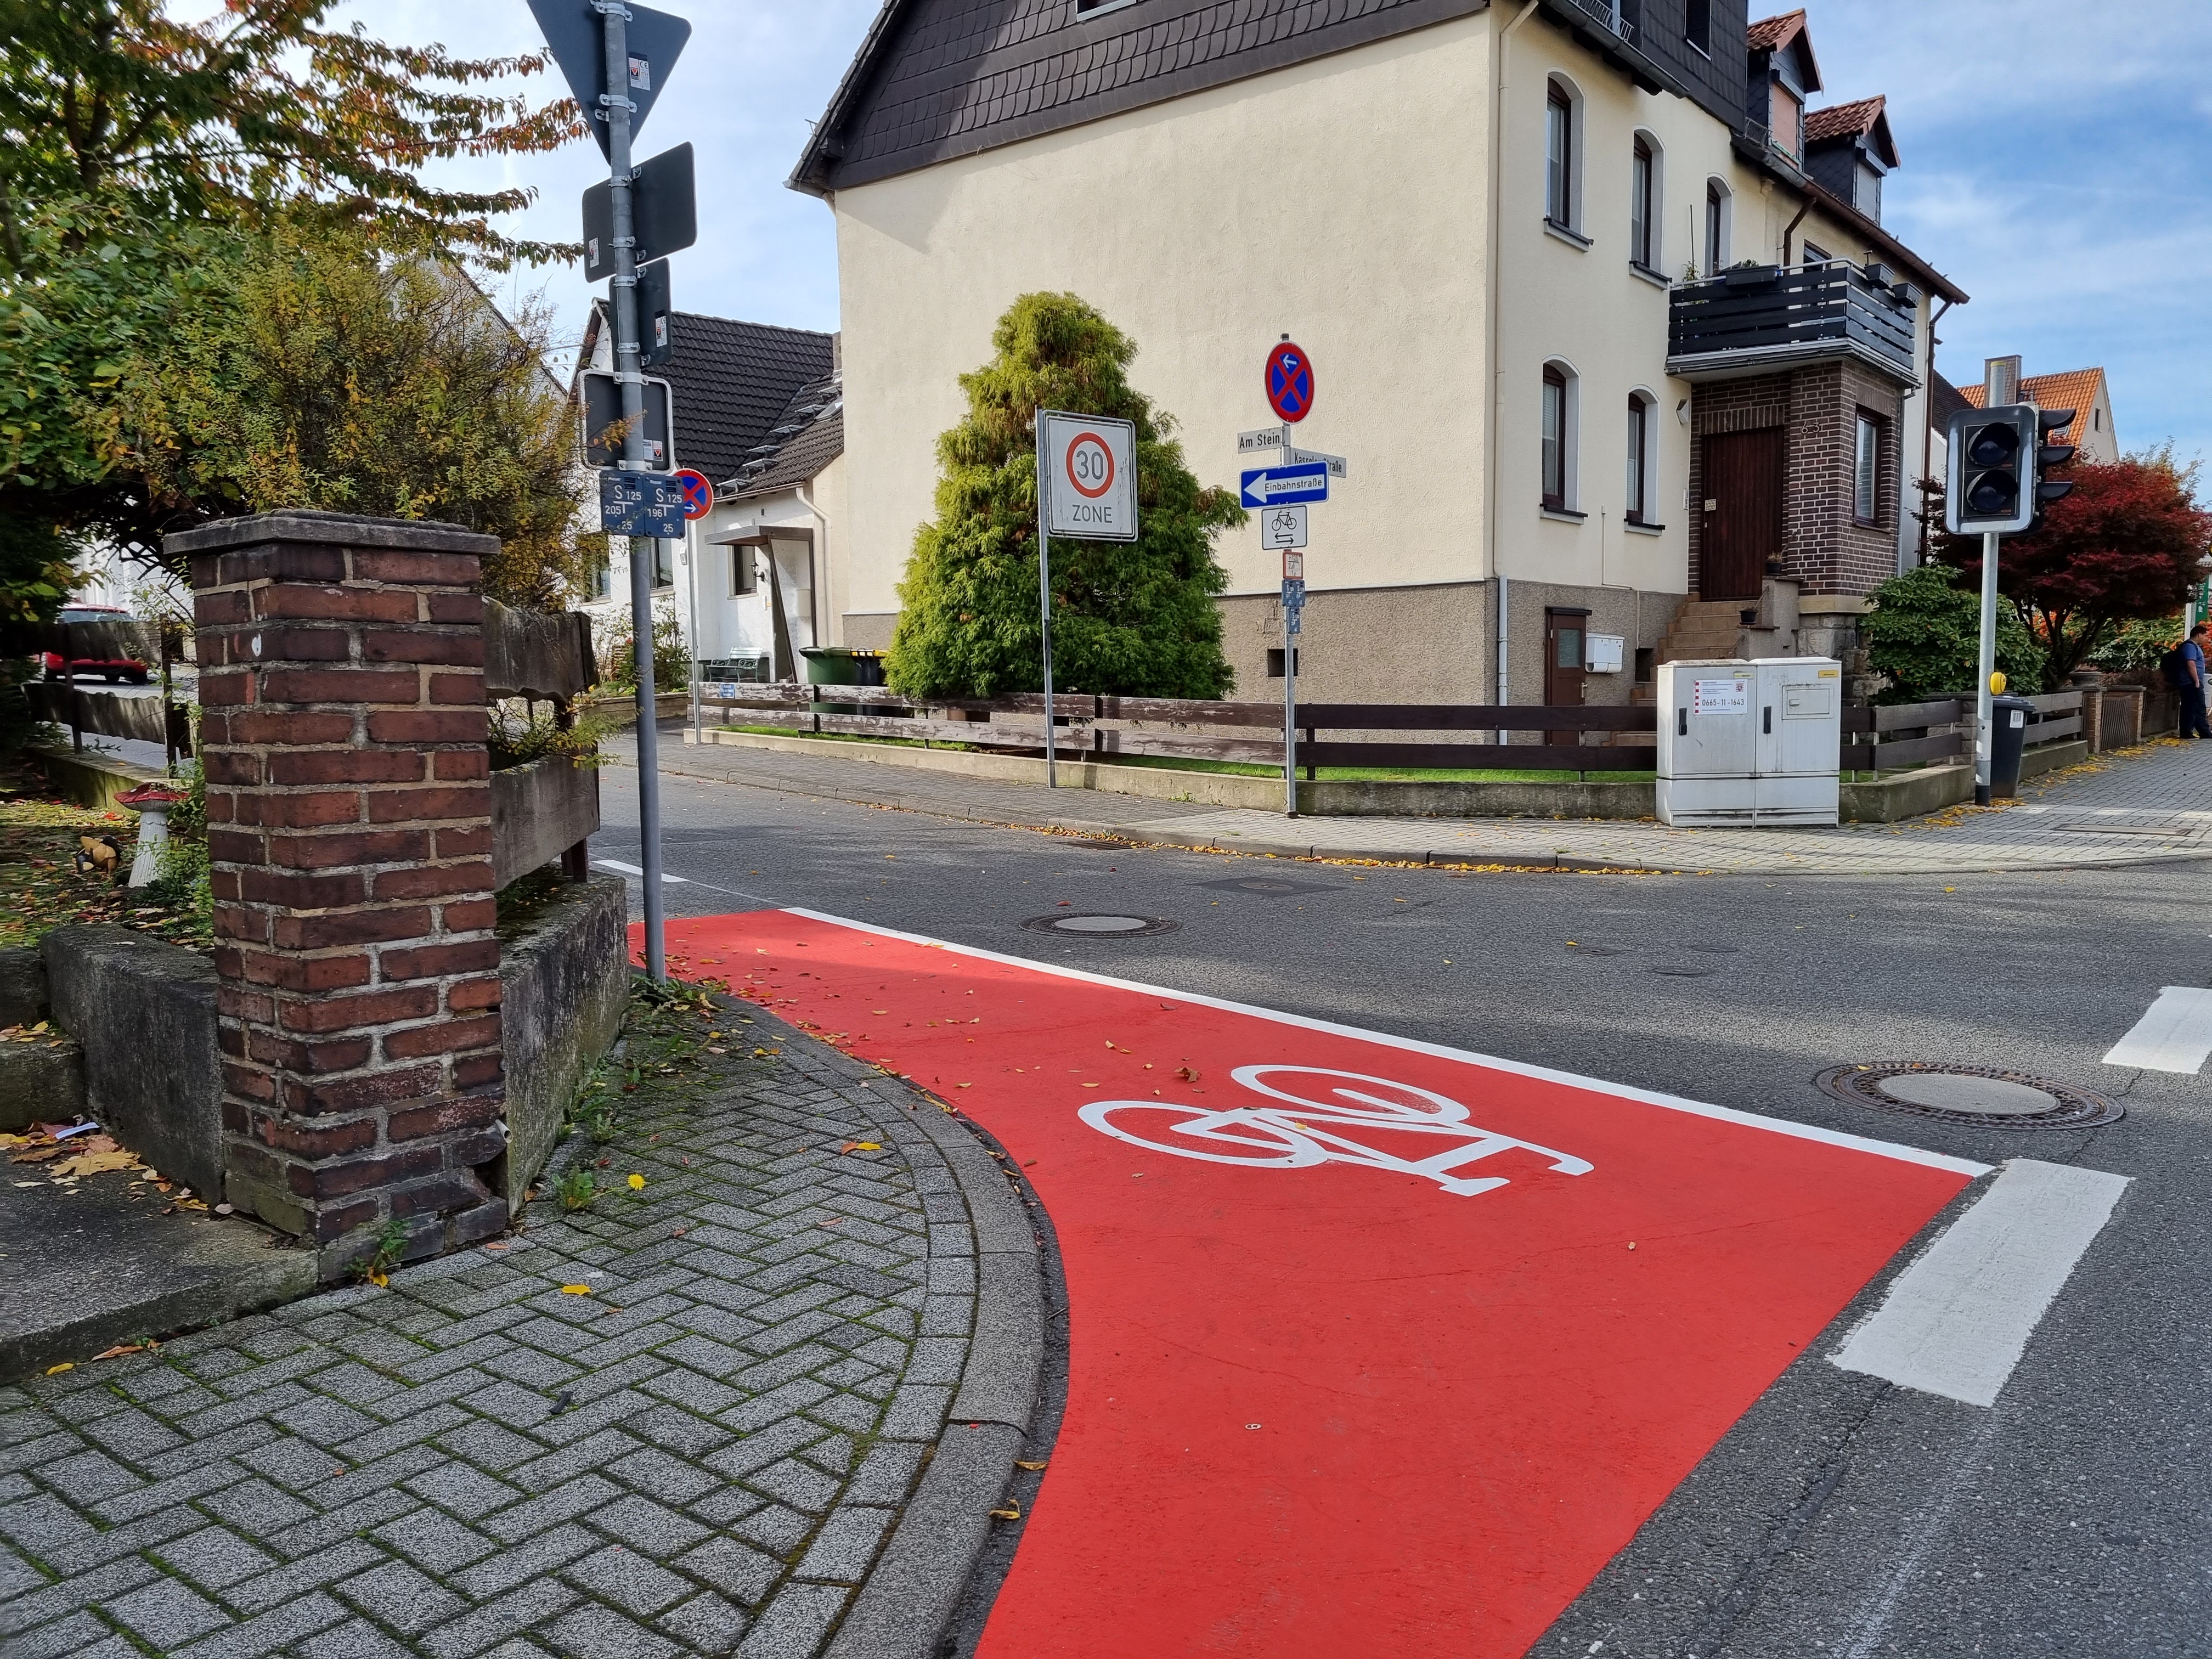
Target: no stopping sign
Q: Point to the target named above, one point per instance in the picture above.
(1087, 475)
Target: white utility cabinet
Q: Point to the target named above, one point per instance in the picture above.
(1750, 742)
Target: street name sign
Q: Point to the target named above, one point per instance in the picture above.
(653, 42)
(1283, 486)
(642, 504)
(603, 422)
(1290, 379)
(1088, 475)
(664, 204)
(1283, 527)
(1335, 464)
(1268, 437)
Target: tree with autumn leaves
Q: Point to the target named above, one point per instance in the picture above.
(2124, 546)
(177, 196)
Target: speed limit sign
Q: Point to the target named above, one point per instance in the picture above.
(1087, 475)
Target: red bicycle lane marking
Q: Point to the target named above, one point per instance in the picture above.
(1339, 1409)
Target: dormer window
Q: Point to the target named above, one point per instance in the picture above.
(1786, 123)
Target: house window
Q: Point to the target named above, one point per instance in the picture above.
(1815, 254)
(603, 578)
(1275, 661)
(1642, 206)
(1559, 157)
(1784, 125)
(1716, 226)
(744, 573)
(1637, 496)
(1085, 8)
(1698, 25)
(1558, 438)
(1866, 471)
(664, 564)
(2097, 419)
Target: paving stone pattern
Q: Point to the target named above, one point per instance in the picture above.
(2141, 806)
(703, 1455)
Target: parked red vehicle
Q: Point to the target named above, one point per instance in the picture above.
(111, 668)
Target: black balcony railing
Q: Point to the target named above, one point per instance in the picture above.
(1731, 322)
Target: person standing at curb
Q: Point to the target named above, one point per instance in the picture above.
(2189, 681)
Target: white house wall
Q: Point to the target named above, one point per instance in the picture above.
(1340, 202)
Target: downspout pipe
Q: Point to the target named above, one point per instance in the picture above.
(1491, 560)
(1928, 426)
(1789, 229)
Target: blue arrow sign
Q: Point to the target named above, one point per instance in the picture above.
(1281, 486)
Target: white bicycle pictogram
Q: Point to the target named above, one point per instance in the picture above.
(1306, 1131)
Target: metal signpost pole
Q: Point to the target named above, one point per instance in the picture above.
(1044, 597)
(691, 594)
(616, 104)
(1986, 660)
(1290, 620)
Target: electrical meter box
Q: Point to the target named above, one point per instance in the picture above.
(1750, 742)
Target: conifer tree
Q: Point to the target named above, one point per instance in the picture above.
(1129, 618)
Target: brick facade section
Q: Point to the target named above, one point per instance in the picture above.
(350, 823)
(1826, 550)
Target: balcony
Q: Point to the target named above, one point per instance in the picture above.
(1761, 319)
(1613, 29)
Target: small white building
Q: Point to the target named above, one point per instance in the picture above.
(759, 409)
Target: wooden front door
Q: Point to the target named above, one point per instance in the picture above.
(1566, 630)
(1744, 521)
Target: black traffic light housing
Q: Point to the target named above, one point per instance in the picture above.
(2050, 456)
(1990, 479)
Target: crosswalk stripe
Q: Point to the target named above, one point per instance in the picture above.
(2174, 1036)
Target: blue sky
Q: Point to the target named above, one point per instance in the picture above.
(2055, 165)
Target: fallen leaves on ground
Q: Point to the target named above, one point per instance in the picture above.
(861, 1147)
(575, 1290)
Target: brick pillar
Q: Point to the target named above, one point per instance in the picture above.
(349, 825)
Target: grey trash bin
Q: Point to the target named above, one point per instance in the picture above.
(2009, 718)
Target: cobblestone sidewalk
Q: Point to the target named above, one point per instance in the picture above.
(2144, 807)
(705, 1454)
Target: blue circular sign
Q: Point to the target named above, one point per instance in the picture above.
(1290, 382)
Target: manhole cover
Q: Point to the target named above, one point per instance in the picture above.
(1087, 923)
(1970, 1094)
(1267, 886)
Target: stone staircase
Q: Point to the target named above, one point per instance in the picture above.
(1722, 629)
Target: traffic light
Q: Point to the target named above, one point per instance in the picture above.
(2048, 456)
(1991, 480)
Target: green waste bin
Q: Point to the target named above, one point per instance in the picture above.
(836, 665)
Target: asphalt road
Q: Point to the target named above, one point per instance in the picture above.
(1843, 1514)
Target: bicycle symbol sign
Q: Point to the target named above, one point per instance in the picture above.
(1290, 382)
(1319, 1122)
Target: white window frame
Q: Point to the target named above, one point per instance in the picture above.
(1645, 460)
(1572, 221)
(1654, 241)
(1569, 438)
(1719, 228)
(1865, 470)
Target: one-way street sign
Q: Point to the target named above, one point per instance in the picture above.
(1280, 486)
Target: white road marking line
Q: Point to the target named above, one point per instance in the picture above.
(1620, 1091)
(1956, 1321)
(632, 870)
(2175, 1035)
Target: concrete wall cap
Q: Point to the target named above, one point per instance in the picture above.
(304, 525)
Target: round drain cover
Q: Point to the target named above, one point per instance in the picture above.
(1086, 923)
(1970, 1094)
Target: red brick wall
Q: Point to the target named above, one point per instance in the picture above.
(349, 827)
(1826, 551)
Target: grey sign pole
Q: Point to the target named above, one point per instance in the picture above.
(1044, 599)
(615, 103)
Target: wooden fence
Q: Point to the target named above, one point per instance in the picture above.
(1888, 737)
(111, 714)
(545, 809)
(1090, 727)
(1340, 734)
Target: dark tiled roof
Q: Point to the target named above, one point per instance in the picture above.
(810, 436)
(1862, 118)
(1945, 400)
(732, 382)
(939, 78)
